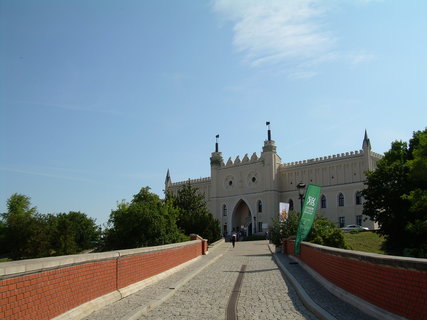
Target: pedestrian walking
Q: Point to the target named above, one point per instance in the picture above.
(233, 239)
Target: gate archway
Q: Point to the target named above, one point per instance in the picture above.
(242, 218)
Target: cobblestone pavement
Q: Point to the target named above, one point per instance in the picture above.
(319, 294)
(264, 293)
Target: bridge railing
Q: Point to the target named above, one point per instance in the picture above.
(48, 287)
(395, 284)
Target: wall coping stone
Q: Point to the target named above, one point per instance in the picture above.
(408, 263)
(28, 266)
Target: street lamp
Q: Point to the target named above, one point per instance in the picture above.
(301, 188)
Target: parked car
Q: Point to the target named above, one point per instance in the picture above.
(352, 227)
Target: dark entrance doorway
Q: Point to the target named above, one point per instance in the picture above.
(242, 218)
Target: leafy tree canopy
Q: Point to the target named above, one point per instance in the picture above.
(396, 196)
(26, 233)
(145, 221)
(194, 215)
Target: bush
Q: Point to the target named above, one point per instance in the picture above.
(323, 231)
(285, 229)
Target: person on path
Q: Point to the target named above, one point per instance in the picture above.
(233, 239)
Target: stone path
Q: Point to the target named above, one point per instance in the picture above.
(203, 289)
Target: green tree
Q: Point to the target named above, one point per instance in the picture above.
(19, 222)
(39, 242)
(25, 233)
(3, 244)
(396, 196)
(145, 221)
(194, 215)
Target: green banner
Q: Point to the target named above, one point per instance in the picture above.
(307, 216)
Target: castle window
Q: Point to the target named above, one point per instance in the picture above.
(323, 201)
(342, 222)
(291, 204)
(224, 210)
(341, 200)
(359, 220)
(259, 206)
(358, 197)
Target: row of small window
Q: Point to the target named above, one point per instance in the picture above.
(340, 200)
(323, 202)
(358, 199)
(341, 221)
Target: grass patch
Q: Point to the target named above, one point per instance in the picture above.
(365, 241)
(5, 259)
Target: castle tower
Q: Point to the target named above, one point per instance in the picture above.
(271, 165)
(216, 163)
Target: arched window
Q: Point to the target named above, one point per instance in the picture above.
(224, 210)
(341, 200)
(259, 206)
(323, 201)
(358, 197)
(291, 204)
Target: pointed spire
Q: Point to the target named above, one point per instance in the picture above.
(366, 142)
(168, 179)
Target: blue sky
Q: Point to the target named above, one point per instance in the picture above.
(101, 98)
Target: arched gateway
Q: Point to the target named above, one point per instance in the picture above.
(242, 218)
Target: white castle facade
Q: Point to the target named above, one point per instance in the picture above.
(245, 193)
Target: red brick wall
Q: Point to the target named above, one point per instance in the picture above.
(400, 290)
(140, 267)
(46, 294)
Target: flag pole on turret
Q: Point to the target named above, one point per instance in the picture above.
(269, 131)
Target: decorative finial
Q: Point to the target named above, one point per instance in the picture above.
(216, 143)
(269, 131)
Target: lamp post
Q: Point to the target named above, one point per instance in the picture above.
(301, 188)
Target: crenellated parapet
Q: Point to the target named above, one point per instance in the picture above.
(334, 157)
(246, 160)
(191, 181)
(376, 155)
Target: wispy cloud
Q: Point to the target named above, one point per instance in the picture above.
(64, 106)
(292, 34)
(269, 32)
(45, 174)
(361, 57)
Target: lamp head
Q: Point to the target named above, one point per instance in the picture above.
(301, 187)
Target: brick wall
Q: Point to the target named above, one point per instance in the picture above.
(47, 287)
(395, 284)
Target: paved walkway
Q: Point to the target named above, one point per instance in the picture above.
(203, 289)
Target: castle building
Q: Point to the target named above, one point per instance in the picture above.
(244, 194)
